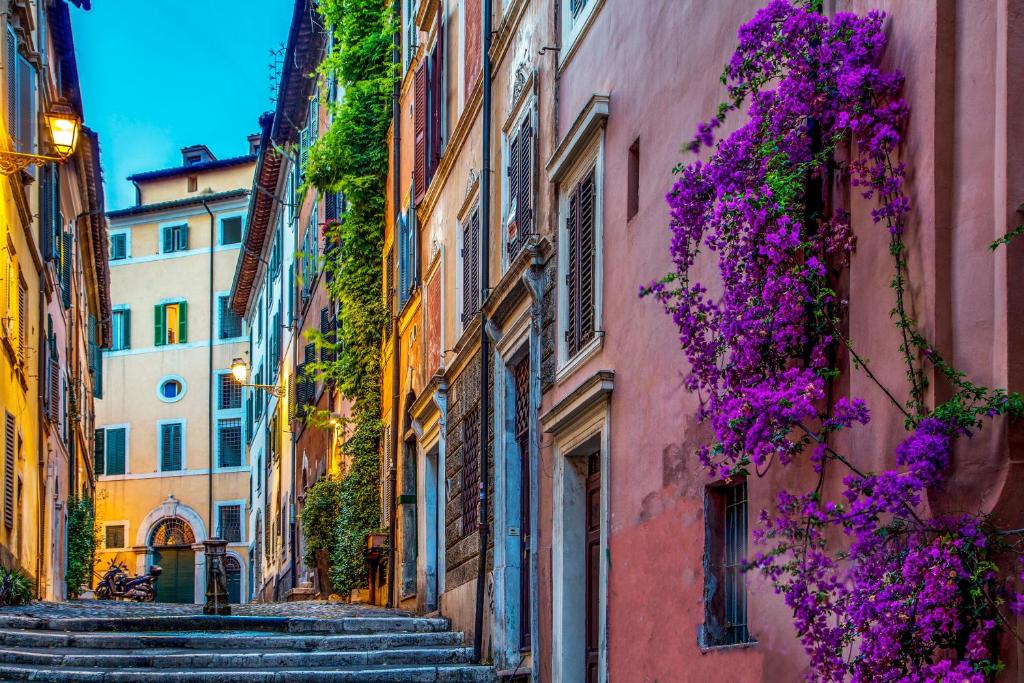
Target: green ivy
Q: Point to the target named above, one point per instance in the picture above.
(352, 156)
(81, 544)
(320, 513)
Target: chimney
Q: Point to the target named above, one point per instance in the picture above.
(196, 154)
(254, 143)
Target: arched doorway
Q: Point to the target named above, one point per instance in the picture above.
(171, 540)
(233, 569)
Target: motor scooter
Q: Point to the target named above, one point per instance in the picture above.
(117, 584)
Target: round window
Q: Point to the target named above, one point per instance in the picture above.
(171, 389)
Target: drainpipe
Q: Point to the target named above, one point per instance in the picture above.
(209, 474)
(41, 378)
(485, 253)
(396, 195)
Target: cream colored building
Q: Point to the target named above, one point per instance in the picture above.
(171, 458)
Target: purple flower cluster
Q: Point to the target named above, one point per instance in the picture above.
(901, 599)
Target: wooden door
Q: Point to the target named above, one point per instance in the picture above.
(177, 582)
(593, 550)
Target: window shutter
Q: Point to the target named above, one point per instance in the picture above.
(586, 251)
(126, 329)
(115, 451)
(419, 172)
(98, 467)
(56, 225)
(12, 83)
(168, 239)
(183, 322)
(183, 234)
(572, 273)
(475, 256)
(9, 455)
(525, 184)
(513, 174)
(26, 107)
(46, 208)
(159, 325)
(53, 389)
(438, 86)
(65, 271)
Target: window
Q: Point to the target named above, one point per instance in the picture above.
(519, 182)
(725, 546)
(170, 323)
(193, 159)
(9, 461)
(175, 238)
(111, 450)
(22, 318)
(259, 473)
(113, 537)
(633, 181)
(408, 255)
(21, 89)
(229, 523)
(229, 442)
(229, 392)
(193, 183)
(119, 246)
(428, 138)
(229, 324)
(121, 324)
(231, 230)
(171, 389)
(172, 449)
(470, 255)
(575, 16)
(410, 33)
(580, 245)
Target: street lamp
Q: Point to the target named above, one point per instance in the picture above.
(240, 371)
(63, 125)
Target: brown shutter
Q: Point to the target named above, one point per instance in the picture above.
(572, 273)
(586, 251)
(525, 184)
(467, 272)
(9, 436)
(53, 389)
(419, 171)
(438, 88)
(514, 174)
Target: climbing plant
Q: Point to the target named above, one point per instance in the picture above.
(352, 157)
(81, 543)
(881, 588)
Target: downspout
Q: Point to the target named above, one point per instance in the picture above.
(396, 195)
(485, 254)
(209, 473)
(41, 377)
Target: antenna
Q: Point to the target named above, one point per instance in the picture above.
(274, 64)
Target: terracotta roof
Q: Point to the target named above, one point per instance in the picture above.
(194, 168)
(306, 41)
(89, 149)
(177, 203)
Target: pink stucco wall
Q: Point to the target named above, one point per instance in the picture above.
(659, 62)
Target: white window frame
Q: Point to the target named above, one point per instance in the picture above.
(164, 380)
(526, 108)
(240, 504)
(184, 446)
(573, 28)
(591, 156)
(220, 229)
(116, 308)
(173, 224)
(127, 245)
(127, 427)
(123, 523)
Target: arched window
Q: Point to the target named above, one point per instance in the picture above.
(172, 532)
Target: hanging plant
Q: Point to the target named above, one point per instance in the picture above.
(879, 588)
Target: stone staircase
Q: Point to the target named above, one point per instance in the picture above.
(254, 649)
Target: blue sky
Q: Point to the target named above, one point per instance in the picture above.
(158, 75)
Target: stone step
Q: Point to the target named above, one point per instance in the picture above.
(84, 658)
(368, 674)
(257, 641)
(231, 623)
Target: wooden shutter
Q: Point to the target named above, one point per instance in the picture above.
(170, 447)
(126, 328)
(436, 72)
(580, 283)
(183, 322)
(116, 447)
(525, 183)
(168, 240)
(159, 325)
(513, 174)
(22, 319)
(419, 171)
(12, 84)
(572, 231)
(471, 268)
(9, 456)
(65, 270)
(53, 389)
(46, 209)
(98, 452)
(183, 234)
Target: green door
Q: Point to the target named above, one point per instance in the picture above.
(177, 582)
(234, 586)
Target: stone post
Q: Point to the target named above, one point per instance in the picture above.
(216, 578)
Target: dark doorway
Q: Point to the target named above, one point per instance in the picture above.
(172, 541)
(593, 550)
(521, 378)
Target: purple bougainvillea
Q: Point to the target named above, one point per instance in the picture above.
(880, 590)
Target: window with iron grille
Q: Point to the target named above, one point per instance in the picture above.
(228, 322)
(229, 442)
(519, 181)
(114, 537)
(580, 233)
(470, 255)
(229, 392)
(171, 447)
(469, 494)
(725, 547)
(229, 523)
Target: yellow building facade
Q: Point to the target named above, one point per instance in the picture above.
(171, 462)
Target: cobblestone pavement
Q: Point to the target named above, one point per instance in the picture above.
(316, 609)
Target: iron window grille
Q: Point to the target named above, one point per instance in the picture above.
(229, 442)
(229, 523)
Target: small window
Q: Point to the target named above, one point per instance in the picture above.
(229, 523)
(110, 450)
(171, 447)
(121, 326)
(114, 537)
(118, 247)
(171, 389)
(229, 442)
(231, 230)
(725, 581)
(633, 181)
(170, 323)
(229, 392)
(193, 183)
(193, 159)
(229, 322)
(175, 238)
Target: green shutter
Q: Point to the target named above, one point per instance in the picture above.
(159, 323)
(98, 452)
(168, 238)
(115, 451)
(184, 237)
(183, 322)
(170, 447)
(126, 328)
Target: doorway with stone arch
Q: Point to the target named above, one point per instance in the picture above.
(171, 542)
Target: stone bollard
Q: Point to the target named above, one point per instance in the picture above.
(216, 578)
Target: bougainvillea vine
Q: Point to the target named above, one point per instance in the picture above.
(880, 589)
